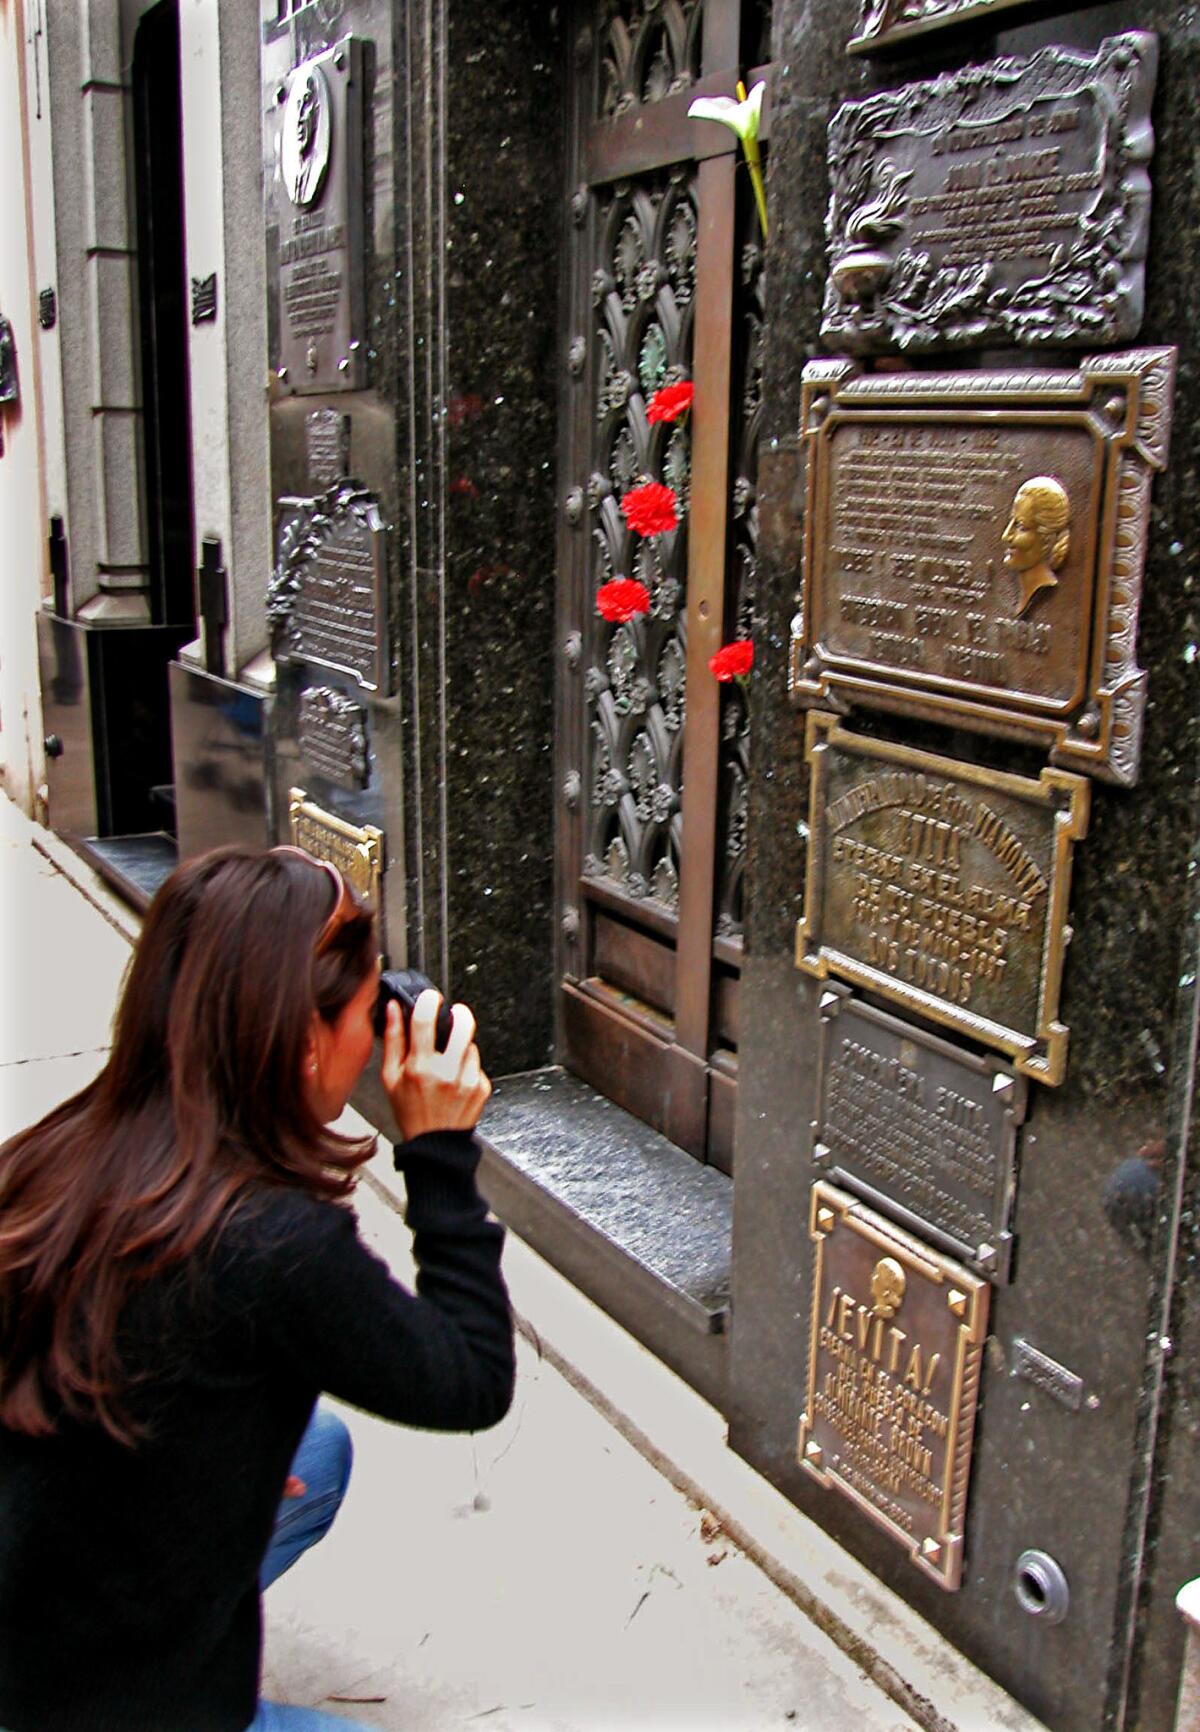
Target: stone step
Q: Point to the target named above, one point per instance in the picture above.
(641, 1227)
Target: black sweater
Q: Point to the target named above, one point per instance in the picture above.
(129, 1578)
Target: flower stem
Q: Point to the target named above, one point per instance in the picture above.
(754, 164)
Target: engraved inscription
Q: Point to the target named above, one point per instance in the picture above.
(1037, 1367)
(327, 435)
(943, 886)
(328, 597)
(919, 1128)
(1009, 201)
(333, 736)
(894, 1357)
(961, 550)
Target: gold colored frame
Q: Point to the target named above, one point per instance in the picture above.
(356, 851)
(1039, 1052)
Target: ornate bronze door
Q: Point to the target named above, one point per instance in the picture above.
(665, 258)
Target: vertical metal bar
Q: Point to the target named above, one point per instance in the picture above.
(707, 538)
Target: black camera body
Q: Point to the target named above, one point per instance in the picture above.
(406, 985)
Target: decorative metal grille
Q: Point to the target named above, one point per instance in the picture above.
(745, 417)
(642, 324)
(649, 49)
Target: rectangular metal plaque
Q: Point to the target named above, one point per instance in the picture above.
(333, 736)
(893, 1379)
(919, 1129)
(974, 545)
(1008, 203)
(356, 850)
(944, 887)
(1033, 1366)
(327, 442)
(327, 601)
(315, 143)
(892, 23)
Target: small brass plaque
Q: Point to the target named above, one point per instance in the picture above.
(974, 544)
(1005, 204)
(920, 1129)
(944, 887)
(893, 1379)
(356, 851)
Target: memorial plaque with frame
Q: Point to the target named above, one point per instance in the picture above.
(1007, 203)
(895, 1350)
(355, 849)
(920, 1129)
(332, 735)
(944, 887)
(974, 545)
(885, 24)
(316, 145)
(327, 602)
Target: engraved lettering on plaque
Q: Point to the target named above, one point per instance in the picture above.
(333, 736)
(974, 545)
(885, 23)
(327, 601)
(356, 850)
(1036, 1367)
(921, 1130)
(327, 437)
(1006, 203)
(944, 887)
(316, 142)
(896, 1343)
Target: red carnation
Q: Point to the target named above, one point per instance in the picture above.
(670, 402)
(650, 509)
(733, 660)
(621, 599)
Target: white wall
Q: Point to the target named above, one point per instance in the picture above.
(23, 516)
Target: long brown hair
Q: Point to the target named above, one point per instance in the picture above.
(200, 1099)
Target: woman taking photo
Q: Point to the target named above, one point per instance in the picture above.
(180, 1279)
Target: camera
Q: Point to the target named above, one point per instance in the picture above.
(406, 985)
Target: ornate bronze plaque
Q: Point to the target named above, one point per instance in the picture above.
(333, 736)
(1006, 203)
(974, 545)
(891, 23)
(327, 600)
(893, 1379)
(356, 850)
(316, 145)
(944, 887)
(920, 1129)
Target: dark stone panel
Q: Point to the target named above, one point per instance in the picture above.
(1112, 1488)
(477, 292)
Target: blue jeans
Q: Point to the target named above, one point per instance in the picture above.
(323, 1463)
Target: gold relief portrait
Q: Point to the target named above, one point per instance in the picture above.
(1037, 536)
(887, 1287)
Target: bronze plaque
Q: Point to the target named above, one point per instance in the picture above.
(356, 850)
(316, 147)
(944, 887)
(1008, 203)
(333, 736)
(920, 1129)
(974, 545)
(327, 441)
(892, 23)
(893, 1379)
(327, 600)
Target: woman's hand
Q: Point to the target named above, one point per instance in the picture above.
(431, 1090)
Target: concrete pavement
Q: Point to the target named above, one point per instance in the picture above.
(599, 1561)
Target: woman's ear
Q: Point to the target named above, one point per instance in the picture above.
(310, 1063)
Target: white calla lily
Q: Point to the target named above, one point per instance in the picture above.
(741, 116)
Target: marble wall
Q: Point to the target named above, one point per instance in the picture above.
(1110, 1491)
